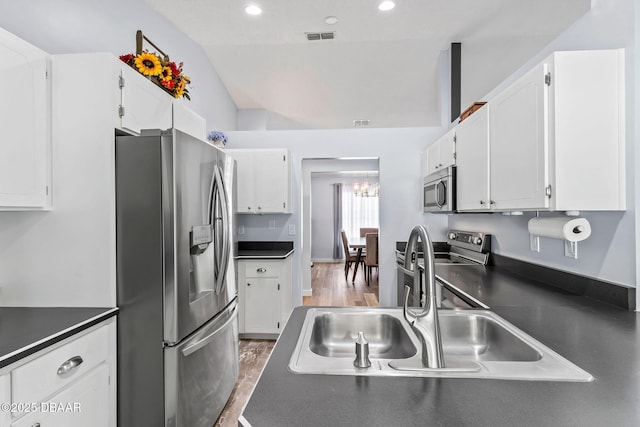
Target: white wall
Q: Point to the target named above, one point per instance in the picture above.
(610, 253)
(322, 211)
(400, 185)
(75, 26)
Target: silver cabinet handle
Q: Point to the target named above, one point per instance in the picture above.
(482, 202)
(261, 270)
(35, 425)
(69, 365)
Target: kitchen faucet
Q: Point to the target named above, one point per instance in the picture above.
(424, 323)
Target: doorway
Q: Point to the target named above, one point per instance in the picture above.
(324, 281)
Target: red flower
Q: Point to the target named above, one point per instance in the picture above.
(174, 68)
(169, 84)
(126, 58)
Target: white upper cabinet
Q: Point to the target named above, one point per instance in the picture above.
(263, 180)
(472, 162)
(439, 155)
(519, 139)
(555, 139)
(25, 144)
(143, 105)
(188, 121)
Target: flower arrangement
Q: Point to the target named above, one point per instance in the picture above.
(217, 137)
(163, 72)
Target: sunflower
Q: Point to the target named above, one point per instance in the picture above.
(148, 64)
(166, 74)
(180, 87)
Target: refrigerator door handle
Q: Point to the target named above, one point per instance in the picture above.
(212, 189)
(223, 248)
(205, 340)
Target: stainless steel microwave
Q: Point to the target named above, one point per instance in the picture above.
(439, 191)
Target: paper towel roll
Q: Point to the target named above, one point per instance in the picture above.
(571, 229)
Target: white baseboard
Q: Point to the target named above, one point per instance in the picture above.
(327, 260)
(307, 293)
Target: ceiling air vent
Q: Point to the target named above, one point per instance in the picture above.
(360, 123)
(321, 36)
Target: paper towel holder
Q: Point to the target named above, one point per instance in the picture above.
(571, 248)
(570, 244)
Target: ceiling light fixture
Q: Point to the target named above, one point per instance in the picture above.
(331, 20)
(252, 9)
(386, 5)
(362, 189)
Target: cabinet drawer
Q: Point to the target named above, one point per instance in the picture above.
(262, 269)
(39, 378)
(82, 404)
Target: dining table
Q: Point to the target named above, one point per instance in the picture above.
(358, 243)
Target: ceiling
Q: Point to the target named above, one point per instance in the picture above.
(381, 66)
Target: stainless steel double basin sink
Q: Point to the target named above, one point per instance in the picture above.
(476, 344)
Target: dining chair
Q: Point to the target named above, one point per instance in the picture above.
(350, 257)
(371, 260)
(366, 230)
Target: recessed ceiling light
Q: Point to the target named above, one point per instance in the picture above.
(386, 5)
(331, 20)
(252, 9)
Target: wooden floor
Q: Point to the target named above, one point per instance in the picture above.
(253, 356)
(329, 288)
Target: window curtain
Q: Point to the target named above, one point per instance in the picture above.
(358, 212)
(337, 221)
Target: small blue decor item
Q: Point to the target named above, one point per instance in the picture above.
(218, 138)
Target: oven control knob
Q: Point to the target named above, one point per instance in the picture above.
(452, 236)
(477, 240)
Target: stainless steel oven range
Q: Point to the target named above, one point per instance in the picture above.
(461, 248)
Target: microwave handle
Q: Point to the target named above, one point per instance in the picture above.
(440, 185)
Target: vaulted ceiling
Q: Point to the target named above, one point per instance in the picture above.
(381, 66)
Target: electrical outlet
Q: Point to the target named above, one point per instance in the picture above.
(241, 229)
(292, 229)
(272, 224)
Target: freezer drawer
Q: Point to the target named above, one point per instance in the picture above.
(201, 371)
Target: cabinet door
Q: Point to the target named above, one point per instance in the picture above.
(448, 149)
(84, 403)
(424, 163)
(143, 105)
(24, 116)
(519, 141)
(440, 154)
(433, 157)
(472, 162)
(262, 305)
(245, 182)
(271, 185)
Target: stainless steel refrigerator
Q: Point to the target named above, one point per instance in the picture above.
(176, 280)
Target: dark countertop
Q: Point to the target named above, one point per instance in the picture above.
(262, 250)
(602, 339)
(26, 330)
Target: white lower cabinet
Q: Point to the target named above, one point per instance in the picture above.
(70, 384)
(265, 295)
(81, 404)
